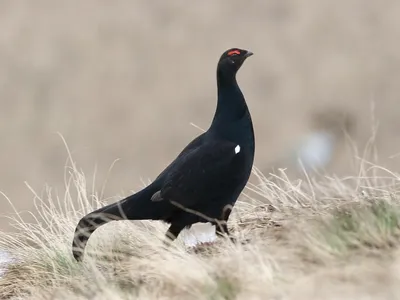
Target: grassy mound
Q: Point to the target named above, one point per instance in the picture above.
(305, 240)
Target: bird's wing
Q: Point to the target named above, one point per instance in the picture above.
(197, 142)
(193, 145)
(205, 173)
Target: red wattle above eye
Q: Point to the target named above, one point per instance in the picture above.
(234, 52)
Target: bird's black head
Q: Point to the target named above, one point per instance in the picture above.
(232, 59)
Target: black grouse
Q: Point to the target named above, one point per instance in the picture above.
(203, 183)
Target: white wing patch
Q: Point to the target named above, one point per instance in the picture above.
(237, 149)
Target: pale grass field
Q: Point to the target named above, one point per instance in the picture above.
(326, 239)
(124, 80)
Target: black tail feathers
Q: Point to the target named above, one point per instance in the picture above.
(135, 207)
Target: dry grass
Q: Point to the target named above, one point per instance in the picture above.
(307, 240)
(125, 80)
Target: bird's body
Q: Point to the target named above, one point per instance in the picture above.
(204, 181)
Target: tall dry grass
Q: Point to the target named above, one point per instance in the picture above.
(313, 239)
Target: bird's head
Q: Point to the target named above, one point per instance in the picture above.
(233, 59)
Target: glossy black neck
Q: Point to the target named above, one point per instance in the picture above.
(225, 76)
(231, 104)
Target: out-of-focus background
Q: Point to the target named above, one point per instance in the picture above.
(123, 79)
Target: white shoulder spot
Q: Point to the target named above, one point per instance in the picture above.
(237, 149)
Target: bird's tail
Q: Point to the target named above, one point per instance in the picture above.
(135, 207)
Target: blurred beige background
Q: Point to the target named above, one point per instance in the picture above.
(123, 79)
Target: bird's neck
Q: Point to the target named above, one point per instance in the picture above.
(232, 120)
(231, 105)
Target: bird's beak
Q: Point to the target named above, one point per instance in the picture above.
(248, 54)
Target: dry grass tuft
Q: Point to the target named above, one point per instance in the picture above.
(299, 240)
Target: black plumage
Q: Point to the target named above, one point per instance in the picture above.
(203, 183)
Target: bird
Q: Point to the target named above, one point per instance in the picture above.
(205, 179)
